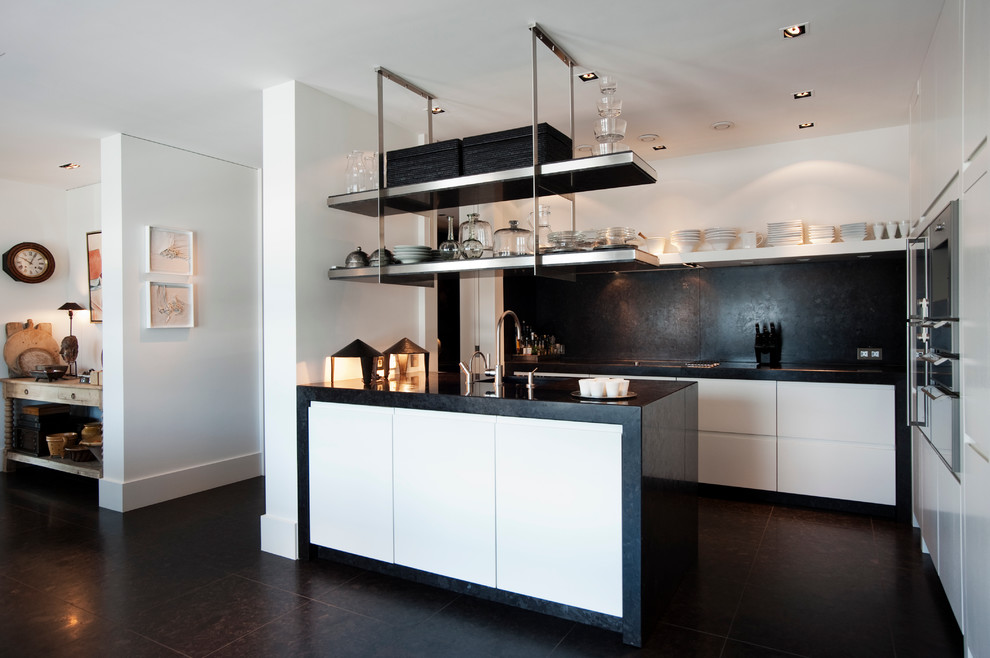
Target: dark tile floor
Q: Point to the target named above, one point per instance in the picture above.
(186, 578)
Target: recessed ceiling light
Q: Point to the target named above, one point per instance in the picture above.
(649, 137)
(794, 31)
(798, 95)
(722, 125)
(588, 77)
(810, 124)
(436, 109)
(661, 147)
(69, 165)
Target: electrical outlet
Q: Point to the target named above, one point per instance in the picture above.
(869, 354)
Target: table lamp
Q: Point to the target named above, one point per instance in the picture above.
(70, 345)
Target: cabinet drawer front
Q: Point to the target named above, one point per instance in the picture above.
(79, 396)
(737, 406)
(34, 392)
(832, 469)
(738, 460)
(856, 413)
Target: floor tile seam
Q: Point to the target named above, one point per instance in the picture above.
(114, 623)
(746, 581)
(257, 628)
(561, 641)
(884, 594)
(175, 598)
(768, 648)
(154, 641)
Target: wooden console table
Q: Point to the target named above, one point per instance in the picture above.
(64, 391)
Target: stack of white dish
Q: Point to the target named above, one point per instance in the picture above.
(720, 238)
(785, 233)
(685, 240)
(412, 253)
(853, 232)
(821, 233)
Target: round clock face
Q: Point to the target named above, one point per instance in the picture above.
(29, 262)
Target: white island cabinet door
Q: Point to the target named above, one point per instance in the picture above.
(350, 479)
(445, 493)
(559, 511)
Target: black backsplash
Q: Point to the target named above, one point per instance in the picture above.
(824, 311)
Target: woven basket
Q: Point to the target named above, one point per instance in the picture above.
(56, 445)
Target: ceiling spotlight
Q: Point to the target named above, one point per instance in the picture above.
(792, 31)
(798, 95)
(661, 147)
(69, 165)
(588, 77)
(648, 137)
(722, 125)
(810, 124)
(436, 109)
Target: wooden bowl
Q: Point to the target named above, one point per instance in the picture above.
(70, 438)
(79, 454)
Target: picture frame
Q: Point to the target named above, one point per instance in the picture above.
(170, 305)
(94, 257)
(169, 251)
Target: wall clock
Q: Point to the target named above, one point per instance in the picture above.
(29, 262)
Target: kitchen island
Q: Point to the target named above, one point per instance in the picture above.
(583, 510)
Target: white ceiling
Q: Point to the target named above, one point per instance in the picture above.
(189, 73)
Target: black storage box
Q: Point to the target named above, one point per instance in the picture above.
(510, 149)
(35, 422)
(421, 164)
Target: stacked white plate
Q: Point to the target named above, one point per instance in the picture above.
(821, 233)
(853, 232)
(615, 237)
(720, 238)
(785, 233)
(412, 253)
(685, 240)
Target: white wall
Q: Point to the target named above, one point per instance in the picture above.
(828, 180)
(182, 407)
(51, 217)
(306, 136)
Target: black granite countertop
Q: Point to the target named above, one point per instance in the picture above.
(552, 397)
(793, 372)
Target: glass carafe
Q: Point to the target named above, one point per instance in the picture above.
(472, 247)
(356, 172)
(542, 227)
(450, 249)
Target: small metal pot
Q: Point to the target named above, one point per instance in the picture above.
(357, 258)
(387, 260)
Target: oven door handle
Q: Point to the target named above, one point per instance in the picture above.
(936, 393)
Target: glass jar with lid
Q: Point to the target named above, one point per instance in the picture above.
(513, 241)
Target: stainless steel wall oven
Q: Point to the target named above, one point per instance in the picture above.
(933, 333)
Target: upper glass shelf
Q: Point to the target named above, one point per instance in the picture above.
(597, 172)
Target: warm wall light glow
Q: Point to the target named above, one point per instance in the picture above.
(69, 165)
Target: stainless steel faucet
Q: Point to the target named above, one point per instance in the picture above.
(499, 365)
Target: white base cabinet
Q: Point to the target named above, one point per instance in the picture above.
(350, 479)
(559, 511)
(525, 505)
(444, 492)
(836, 469)
(737, 460)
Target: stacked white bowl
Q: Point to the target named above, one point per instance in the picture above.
(785, 233)
(685, 240)
(853, 232)
(412, 253)
(720, 238)
(821, 233)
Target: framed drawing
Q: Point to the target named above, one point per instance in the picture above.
(170, 251)
(94, 249)
(170, 305)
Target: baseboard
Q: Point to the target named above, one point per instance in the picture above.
(134, 494)
(280, 536)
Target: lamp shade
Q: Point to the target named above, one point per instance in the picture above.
(406, 347)
(361, 350)
(71, 306)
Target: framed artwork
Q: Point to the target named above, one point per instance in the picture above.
(170, 251)
(94, 249)
(170, 305)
